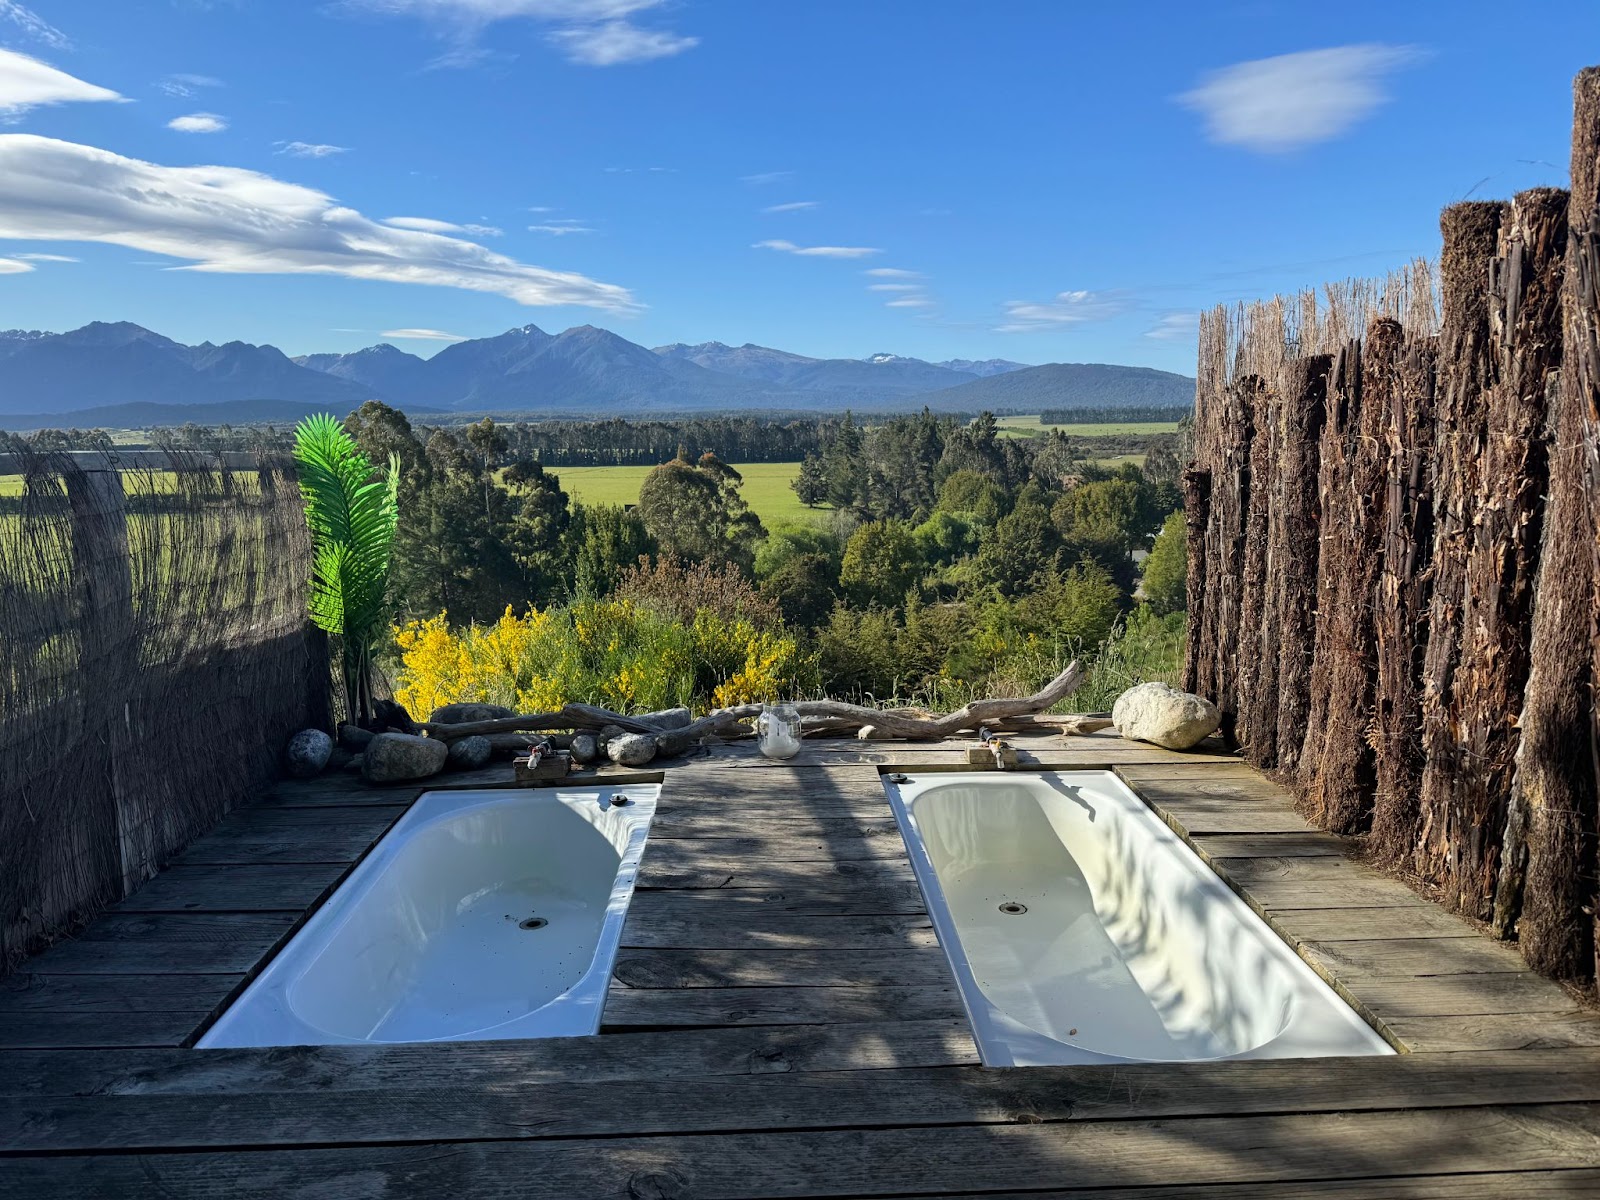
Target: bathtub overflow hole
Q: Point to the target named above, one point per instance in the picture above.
(533, 923)
(1012, 908)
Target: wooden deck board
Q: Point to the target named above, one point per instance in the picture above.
(782, 1023)
(864, 1162)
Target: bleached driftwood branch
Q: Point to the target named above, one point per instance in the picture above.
(821, 716)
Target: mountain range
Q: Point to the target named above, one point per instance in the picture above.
(106, 372)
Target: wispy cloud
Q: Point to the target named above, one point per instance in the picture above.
(615, 42)
(792, 206)
(55, 258)
(1175, 326)
(429, 225)
(892, 273)
(309, 149)
(33, 25)
(182, 87)
(1274, 105)
(198, 123)
(423, 335)
(894, 287)
(762, 178)
(594, 33)
(233, 221)
(911, 302)
(560, 227)
(11, 266)
(1065, 310)
(28, 83)
(817, 251)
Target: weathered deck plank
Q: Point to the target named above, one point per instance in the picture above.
(865, 1162)
(782, 1023)
(411, 1110)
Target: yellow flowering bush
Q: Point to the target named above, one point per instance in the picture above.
(610, 652)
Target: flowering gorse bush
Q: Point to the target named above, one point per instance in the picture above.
(613, 652)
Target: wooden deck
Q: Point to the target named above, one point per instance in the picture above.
(782, 1023)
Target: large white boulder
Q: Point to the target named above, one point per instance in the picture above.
(1159, 713)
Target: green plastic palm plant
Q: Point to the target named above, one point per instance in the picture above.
(352, 510)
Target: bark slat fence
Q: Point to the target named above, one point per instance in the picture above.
(1394, 534)
(157, 655)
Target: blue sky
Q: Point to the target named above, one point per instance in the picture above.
(1034, 179)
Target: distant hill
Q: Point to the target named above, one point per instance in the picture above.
(84, 376)
(102, 365)
(1068, 385)
(156, 416)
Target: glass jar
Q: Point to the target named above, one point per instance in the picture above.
(778, 730)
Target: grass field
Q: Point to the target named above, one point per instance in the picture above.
(1026, 426)
(766, 489)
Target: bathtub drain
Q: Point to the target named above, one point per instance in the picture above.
(1012, 908)
(533, 923)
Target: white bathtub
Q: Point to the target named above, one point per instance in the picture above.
(1081, 929)
(480, 915)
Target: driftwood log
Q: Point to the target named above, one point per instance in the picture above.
(827, 716)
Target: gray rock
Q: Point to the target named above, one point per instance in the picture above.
(632, 749)
(507, 745)
(397, 757)
(459, 714)
(307, 753)
(469, 753)
(674, 743)
(339, 759)
(1158, 713)
(354, 738)
(585, 748)
(357, 761)
(668, 718)
(608, 732)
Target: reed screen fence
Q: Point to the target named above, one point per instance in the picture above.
(1394, 531)
(157, 656)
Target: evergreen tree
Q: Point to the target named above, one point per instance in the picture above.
(811, 484)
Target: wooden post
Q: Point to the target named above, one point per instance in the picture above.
(1196, 516)
(1466, 372)
(1293, 546)
(108, 655)
(1338, 757)
(1401, 601)
(1253, 671)
(1506, 523)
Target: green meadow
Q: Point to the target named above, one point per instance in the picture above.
(766, 489)
(1029, 426)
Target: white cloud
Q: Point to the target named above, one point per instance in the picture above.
(1175, 326)
(892, 273)
(595, 33)
(1274, 105)
(423, 335)
(308, 149)
(817, 251)
(46, 258)
(429, 225)
(1065, 310)
(765, 177)
(560, 228)
(910, 302)
(893, 287)
(33, 25)
(235, 221)
(619, 42)
(10, 266)
(198, 123)
(181, 87)
(28, 83)
(794, 206)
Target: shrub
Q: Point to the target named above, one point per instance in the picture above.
(1164, 583)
